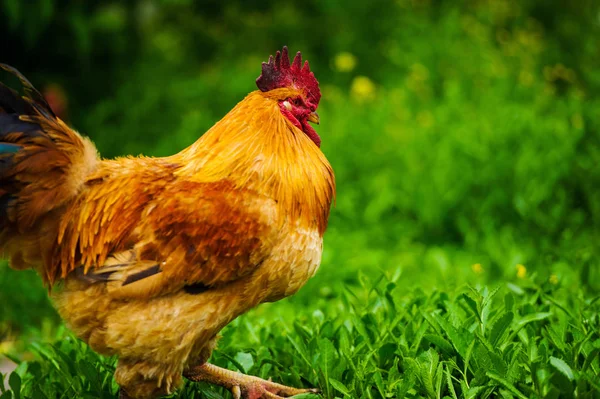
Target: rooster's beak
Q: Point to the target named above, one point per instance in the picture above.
(313, 117)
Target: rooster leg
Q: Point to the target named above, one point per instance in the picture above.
(241, 385)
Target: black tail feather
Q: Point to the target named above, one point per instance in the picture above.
(12, 103)
(12, 123)
(18, 103)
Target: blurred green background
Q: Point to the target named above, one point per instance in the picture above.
(464, 134)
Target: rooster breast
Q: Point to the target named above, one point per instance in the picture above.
(294, 260)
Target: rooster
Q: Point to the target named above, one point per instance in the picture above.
(149, 258)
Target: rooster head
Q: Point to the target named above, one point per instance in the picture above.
(300, 107)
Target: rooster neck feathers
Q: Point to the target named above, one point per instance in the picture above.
(255, 146)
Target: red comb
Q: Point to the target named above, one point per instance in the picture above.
(279, 73)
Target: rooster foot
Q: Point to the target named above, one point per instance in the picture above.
(241, 385)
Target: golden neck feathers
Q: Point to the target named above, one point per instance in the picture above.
(256, 147)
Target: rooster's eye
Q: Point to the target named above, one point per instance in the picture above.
(287, 105)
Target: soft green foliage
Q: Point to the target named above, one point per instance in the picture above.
(378, 341)
(466, 143)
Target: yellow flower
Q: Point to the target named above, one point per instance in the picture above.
(521, 271)
(559, 71)
(7, 346)
(553, 279)
(477, 268)
(577, 121)
(419, 72)
(344, 61)
(363, 88)
(526, 78)
(425, 119)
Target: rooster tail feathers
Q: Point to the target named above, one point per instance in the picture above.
(10, 100)
(43, 163)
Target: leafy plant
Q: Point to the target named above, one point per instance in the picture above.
(378, 341)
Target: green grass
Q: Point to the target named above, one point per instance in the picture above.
(377, 339)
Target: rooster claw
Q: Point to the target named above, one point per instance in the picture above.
(268, 390)
(244, 386)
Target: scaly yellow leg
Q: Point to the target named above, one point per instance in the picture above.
(241, 385)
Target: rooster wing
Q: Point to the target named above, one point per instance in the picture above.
(192, 235)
